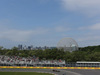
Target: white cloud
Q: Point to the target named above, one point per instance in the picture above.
(15, 35)
(91, 27)
(89, 7)
(95, 26)
(87, 38)
(90, 35)
(21, 35)
(61, 29)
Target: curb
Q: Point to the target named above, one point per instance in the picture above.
(50, 67)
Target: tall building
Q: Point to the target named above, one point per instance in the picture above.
(20, 47)
(25, 47)
(31, 47)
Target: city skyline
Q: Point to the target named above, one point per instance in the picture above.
(45, 22)
(31, 47)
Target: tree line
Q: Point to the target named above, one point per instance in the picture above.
(90, 53)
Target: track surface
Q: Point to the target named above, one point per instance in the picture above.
(66, 72)
(85, 72)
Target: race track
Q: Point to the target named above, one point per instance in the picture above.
(65, 71)
(85, 71)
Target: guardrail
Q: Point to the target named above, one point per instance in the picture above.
(68, 64)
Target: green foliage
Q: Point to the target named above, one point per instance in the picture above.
(90, 53)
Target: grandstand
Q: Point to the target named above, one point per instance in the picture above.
(29, 61)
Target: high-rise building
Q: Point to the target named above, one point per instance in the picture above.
(25, 48)
(30, 47)
(20, 47)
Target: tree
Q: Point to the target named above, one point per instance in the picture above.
(1, 47)
(14, 51)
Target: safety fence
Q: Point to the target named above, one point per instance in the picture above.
(68, 64)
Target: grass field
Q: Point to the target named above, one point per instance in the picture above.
(23, 73)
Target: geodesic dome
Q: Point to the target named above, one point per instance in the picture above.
(68, 44)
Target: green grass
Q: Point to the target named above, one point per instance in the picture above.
(23, 73)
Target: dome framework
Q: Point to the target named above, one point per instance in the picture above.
(67, 44)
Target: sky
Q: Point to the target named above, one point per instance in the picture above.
(45, 22)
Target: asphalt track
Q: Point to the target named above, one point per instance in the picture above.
(85, 71)
(65, 71)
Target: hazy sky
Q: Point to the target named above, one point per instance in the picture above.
(45, 22)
